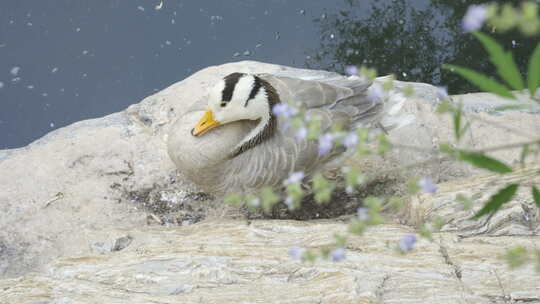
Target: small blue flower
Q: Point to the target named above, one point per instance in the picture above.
(474, 18)
(256, 202)
(376, 93)
(427, 185)
(350, 140)
(279, 109)
(301, 134)
(296, 253)
(338, 254)
(362, 213)
(406, 243)
(289, 201)
(325, 143)
(294, 177)
(284, 110)
(442, 93)
(351, 70)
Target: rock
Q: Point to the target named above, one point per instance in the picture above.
(106, 169)
(235, 262)
(112, 245)
(519, 217)
(76, 195)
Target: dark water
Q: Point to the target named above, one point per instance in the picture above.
(66, 60)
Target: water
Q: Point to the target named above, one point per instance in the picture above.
(62, 61)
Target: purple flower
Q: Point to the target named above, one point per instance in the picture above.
(350, 140)
(338, 254)
(289, 201)
(406, 243)
(301, 134)
(427, 185)
(325, 143)
(376, 93)
(362, 213)
(474, 18)
(351, 70)
(256, 202)
(294, 177)
(284, 110)
(296, 253)
(442, 93)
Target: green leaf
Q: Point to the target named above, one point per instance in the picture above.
(483, 161)
(269, 198)
(534, 70)
(504, 61)
(234, 199)
(483, 82)
(457, 123)
(512, 107)
(516, 257)
(524, 153)
(536, 196)
(497, 200)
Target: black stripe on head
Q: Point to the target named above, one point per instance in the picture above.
(230, 83)
(254, 90)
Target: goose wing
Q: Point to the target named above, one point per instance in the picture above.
(333, 98)
(345, 99)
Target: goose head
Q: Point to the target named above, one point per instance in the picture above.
(238, 97)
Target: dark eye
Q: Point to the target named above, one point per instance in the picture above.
(223, 104)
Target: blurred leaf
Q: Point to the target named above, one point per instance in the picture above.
(447, 148)
(529, 23)
(524, 152)
(309, 256)
(357, 227)
(353, 177)
(516, 257)
(537, 254)
(507, 18)
(374, 205)
(504, 61)
(480, 160)
(457, 123)
(439, 223)
(445, 106)
(426, 232)
(536, 196)
(368, 73)
(233, 199)
(412, 186)
(512, 107)
(395, 203)
(389, 83)
(269, 198)
(467, 202)
(341, 240)
(534, 70)
(483, 82)
(384, 144)
(322, 188)
(408, 90)
(497, 200)
(314, 127)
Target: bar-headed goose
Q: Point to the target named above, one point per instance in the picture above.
(234, 142)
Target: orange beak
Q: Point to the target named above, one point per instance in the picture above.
(204, 125)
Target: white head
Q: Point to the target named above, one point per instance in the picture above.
(236, 97)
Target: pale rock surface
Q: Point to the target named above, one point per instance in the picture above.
(84, 196)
